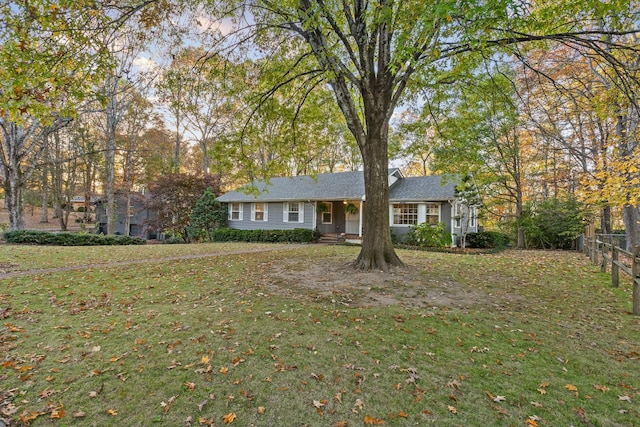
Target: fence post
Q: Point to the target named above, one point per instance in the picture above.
(615, 270)
(605, 257)
(635, 269)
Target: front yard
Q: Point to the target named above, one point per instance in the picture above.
(293, 337)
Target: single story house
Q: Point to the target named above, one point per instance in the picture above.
(333, 203)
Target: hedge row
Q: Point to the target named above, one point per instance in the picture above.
(487, 239)
(69, 239)
(297, 235)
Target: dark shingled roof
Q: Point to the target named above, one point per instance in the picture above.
(422, 188)
(338, 186)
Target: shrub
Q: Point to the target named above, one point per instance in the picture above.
(429, 236)
(297, 235)
(208, 215)
(487, 240)
(69, 239)
(553, 223)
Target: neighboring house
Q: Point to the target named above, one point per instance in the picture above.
(333, 204)
(137, 212)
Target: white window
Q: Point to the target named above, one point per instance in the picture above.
(432, 213)
(259, 212)
(327, 217)
(235, 212)
(405, 214)
(293, 212)
(474, 215)
(457, 215)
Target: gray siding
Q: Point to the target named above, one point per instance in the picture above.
(274, 218)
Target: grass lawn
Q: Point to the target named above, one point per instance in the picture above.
(292, 337)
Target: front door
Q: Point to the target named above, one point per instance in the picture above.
(352, 223)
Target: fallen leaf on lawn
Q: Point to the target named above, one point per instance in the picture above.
(25, 417)
(373, 421)
(358, 405)
(427, 412)
(319, 403)
(454, 384)
(167, 405)
(499, 399)
(537, 404)
(602, 388)
(47, 393)
(532, 423)
(190, 386)
(452, 409)
(9, 410)
(402, 414)
(338, 397)
(79, 414)
(261, 410)
(224, 370)
(229, 418)
(204, 360)
(57, 412)
(571, 387)
(625, 398)
(112, 412)
(340, 424)
(205, 421)
(542, 391)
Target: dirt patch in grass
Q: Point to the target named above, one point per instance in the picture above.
(329, 279)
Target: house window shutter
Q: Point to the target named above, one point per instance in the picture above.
(285, 212)
(253, 211)
(301, 212)
(266, 212)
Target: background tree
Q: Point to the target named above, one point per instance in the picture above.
(173, 198)
(50, 56)
(370, 53)
(207, 216)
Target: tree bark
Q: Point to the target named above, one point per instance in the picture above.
(631, 218)
(377, 251)
(44, 215)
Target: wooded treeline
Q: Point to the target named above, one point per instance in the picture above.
(87, 112)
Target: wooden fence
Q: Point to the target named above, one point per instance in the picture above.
(607, 254)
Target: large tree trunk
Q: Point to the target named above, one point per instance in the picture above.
(44, 215)
(605, 220)
(377, 251)
(13, 200)
(631, 218)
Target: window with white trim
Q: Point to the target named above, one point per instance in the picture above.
(259, 212)
(327, 214)
(405, 214)
(474, 217)
(457, 215)
(432, 213)
(235, 212)
(293, 212)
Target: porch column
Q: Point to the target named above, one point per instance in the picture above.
(360, 222)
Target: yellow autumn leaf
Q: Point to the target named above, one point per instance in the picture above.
(112, 412)
(204, 360)
(229, 418)
(571, 387)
